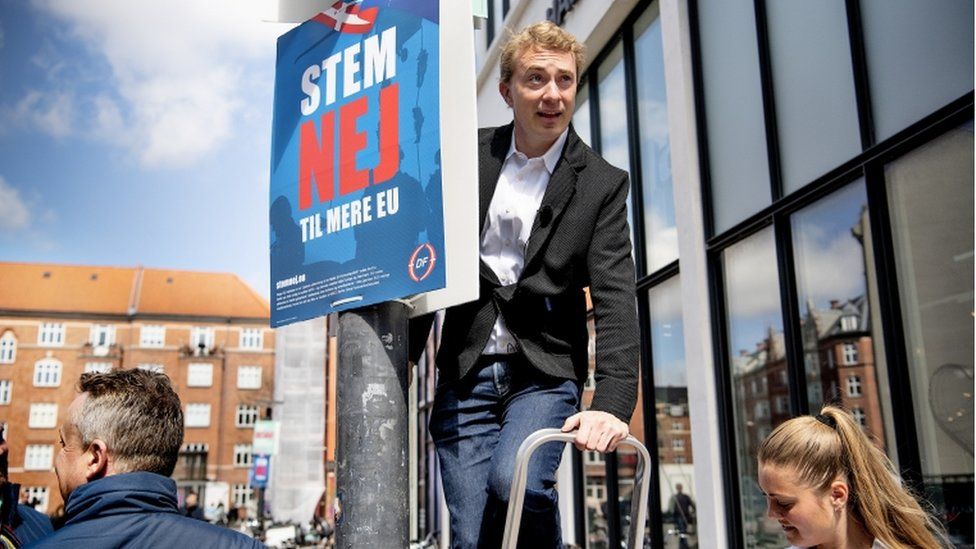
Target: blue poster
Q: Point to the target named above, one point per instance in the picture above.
(260, 471)
(356, 208)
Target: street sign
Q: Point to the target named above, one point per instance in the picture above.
(266, 437)
(359, 211)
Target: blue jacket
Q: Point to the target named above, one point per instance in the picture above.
(135, 510)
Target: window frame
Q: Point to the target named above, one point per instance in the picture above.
(152, 336)
(8, 347)
(51, 334)
(245, 376)
(251, 339)
(40, 377)
(42, 415)
(195, 410)
(193, 371)
(34, 453)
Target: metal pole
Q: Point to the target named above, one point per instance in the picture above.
(372, 464)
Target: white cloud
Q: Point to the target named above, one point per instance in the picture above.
(14, 214)
(751, 283)
(827, 268)
(183, 70)
(50, 112)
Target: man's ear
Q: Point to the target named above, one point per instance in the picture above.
(506, 91)
(839, 494)
(96, 464)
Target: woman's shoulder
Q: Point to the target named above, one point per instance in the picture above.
(876, 545)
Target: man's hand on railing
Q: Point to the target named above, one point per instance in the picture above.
(600, 431)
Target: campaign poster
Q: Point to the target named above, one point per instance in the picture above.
(356, 208)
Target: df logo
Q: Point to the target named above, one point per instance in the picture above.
(422, 262)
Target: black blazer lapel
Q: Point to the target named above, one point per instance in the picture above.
(562, 185)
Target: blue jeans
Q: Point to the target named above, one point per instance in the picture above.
(477, 424)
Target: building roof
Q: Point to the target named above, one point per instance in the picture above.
(126, 291)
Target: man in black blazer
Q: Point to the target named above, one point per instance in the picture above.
(554, 221)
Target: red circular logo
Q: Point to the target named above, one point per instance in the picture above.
(422, 262)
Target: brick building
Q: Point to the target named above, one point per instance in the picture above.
(207, 331)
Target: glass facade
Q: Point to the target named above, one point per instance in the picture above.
(930, 193)
(834, 144)
(757, 360)
(853, 285)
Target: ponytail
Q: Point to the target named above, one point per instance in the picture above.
(832, 444)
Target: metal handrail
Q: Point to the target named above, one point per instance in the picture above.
(516, 497)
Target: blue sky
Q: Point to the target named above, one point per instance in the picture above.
(137, 133)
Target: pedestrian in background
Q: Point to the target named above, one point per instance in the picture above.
(828, 485)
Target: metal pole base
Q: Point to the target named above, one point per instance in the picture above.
(372, 461)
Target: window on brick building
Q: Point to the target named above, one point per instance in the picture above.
(242, 455)
(850, 353)
(242, 495)
(37, 457)
(51, 334)
(859, 415)
(37, 496)
(97, 367)
(8, 348)
(854, 386)
(154, 368)
(43, 415)
(848, 323)
(197, 415)
(595, 489)
(249, 377)
(6, 387)
(102, 335)
(201, 339)
(678, 444)
(199, 374)
(47, 373)
(252, 338)
(247, 415)
(152, 335)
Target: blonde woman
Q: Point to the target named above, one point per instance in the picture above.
(830, 487)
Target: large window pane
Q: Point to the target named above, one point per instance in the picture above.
(674, 452)
(836, 306)
(581, 118)
(738, 163)
(660, 234)
(919, 57)
(813, 82)
(931, 201)
(614, 145)
(756, 355)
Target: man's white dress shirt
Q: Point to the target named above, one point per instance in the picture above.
(517, 198)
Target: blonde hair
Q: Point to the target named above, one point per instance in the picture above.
(820, 449)
(542, 36)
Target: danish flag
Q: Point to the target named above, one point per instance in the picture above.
(345, 16)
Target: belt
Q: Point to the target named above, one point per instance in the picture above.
(486, 359)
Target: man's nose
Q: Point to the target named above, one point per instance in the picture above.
(551, 91)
